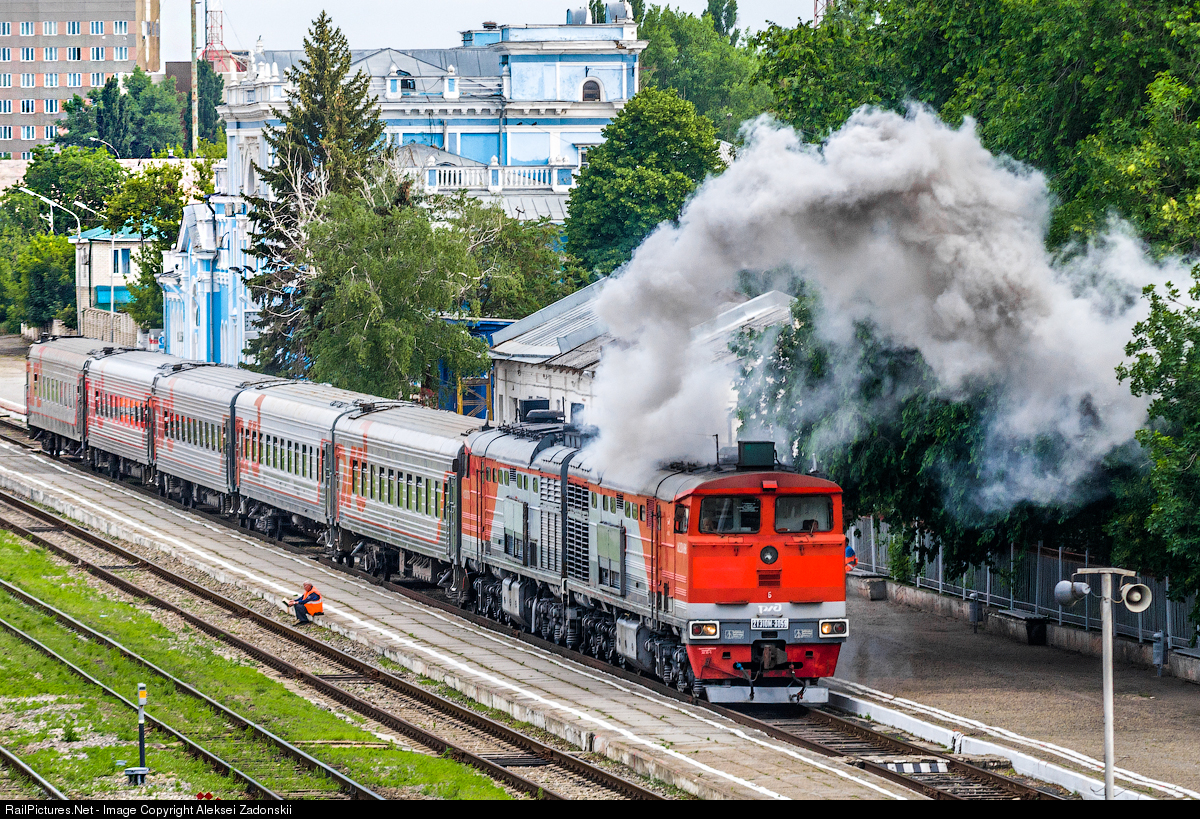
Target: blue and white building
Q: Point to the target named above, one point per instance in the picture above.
(507, 116)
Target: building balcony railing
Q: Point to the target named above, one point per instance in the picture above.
(498, 178)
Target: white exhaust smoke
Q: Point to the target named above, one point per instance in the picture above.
(916, 227)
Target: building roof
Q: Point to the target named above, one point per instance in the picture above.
(568, 333)
(415, 62)
(553, 330)
(527, 206)
(102, 233)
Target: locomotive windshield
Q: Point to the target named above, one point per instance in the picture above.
(804, 513)
(729, 515)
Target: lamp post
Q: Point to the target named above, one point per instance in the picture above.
(109, 144)
(112, 296)
(53, 205)
(1137, 598)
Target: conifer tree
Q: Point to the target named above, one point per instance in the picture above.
(326, 142)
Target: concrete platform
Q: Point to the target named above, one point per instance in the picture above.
(693, 750)
(1040, 699)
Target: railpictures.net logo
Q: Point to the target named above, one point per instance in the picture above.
(127, 811)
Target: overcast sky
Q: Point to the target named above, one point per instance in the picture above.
(407, 24)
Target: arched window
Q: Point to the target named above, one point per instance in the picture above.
(591, 91)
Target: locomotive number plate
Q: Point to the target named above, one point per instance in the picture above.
(772, 623)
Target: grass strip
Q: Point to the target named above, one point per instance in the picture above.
(56, 722)
(236, 682)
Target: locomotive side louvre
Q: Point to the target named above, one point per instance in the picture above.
(119, 403)
(398, 482)
(54, 386)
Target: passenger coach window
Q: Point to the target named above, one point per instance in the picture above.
(730, 515)
(804, 513)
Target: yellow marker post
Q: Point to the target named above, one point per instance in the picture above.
(137, 776)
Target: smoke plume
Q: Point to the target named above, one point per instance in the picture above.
(909, 224)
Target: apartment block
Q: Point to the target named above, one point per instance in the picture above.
(51, 50)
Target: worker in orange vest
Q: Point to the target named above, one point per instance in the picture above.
(308, 603)
(851, 558)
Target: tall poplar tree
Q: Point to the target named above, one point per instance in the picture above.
(325, 143)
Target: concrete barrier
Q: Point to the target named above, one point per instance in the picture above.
(870, 586)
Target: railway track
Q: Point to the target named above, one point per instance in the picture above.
(461, 733)
(937, 775)
(19, 768)
(298, 757)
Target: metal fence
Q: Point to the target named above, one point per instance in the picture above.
(1024, 580)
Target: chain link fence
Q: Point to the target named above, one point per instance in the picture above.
(1024, 580)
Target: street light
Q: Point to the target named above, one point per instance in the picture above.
(1136, 597)
(112, 296)
(110, 147)
(53, 205)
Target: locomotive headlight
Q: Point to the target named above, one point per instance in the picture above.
(769, 554)
(834, 628)
(704, 630)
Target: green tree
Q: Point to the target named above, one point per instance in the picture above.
(154, 114)
(89, 175)
(1162, 534)
(1148, 174)
(43, 286)
(654, 154)
(114, 118)
(137, 123)
(83, 174)
(519, 269)
(694, 56)
(150, 202)
(326, 143)
(723, 14)
(210, 87)
(387, 278)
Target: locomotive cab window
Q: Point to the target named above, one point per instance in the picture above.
(804, 513)
(730, 515)
(681, 519)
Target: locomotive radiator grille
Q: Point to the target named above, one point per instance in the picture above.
(577, 545)
(551, 503)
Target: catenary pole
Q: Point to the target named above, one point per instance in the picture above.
(195, 86)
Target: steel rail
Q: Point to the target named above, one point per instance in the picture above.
(195, 748)
(355, 788)
(13, 761)
(1018, 789)
(375, 674)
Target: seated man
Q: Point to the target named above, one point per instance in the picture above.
(308, 603)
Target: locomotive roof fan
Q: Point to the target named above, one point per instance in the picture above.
(756, 455)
